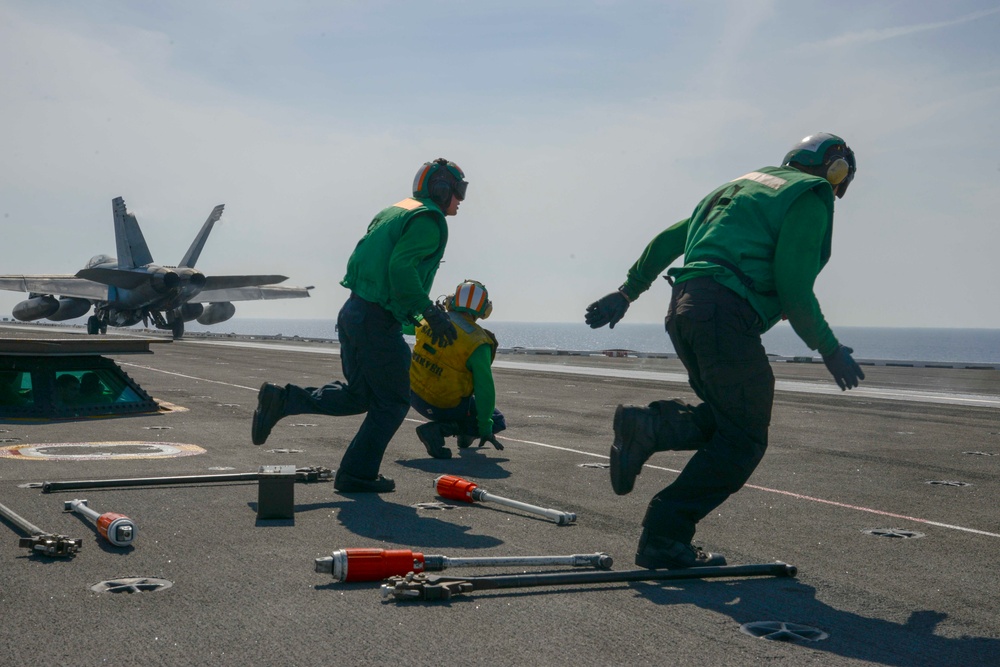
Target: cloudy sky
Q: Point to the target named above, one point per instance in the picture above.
(584, 127)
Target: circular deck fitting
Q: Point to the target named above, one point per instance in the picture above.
(93, 451)
(434, 506)
(893, 532)
(980, 453)
(593, 465)
(783, 632)
(132, 585)
(945, 482)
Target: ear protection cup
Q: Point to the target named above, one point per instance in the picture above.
(440, 191)
(837, 171)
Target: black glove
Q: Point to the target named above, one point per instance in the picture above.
(843, 368)
(607, 310)
(492, 439)
(443, 331)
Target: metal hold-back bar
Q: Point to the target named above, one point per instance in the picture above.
(40, 541)
(437, 587)
(310, 474)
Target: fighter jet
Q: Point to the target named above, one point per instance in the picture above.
(130, 288)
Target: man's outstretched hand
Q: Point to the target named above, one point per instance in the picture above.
(608, 309)
(843, 368)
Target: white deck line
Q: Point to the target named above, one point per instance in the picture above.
(793, 386)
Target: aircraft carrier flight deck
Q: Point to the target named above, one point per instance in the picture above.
(884, 499)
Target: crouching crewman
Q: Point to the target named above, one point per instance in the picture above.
(453, 386)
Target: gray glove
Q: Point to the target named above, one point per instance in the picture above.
(843, 368)
(443, 331)
(608, 309)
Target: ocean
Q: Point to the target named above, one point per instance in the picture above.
(976, 346)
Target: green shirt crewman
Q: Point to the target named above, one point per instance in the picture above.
(390, 274)
(752, 250)
(453, 386)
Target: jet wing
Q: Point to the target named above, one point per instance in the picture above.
(251, 294)
(228, 282)
(122, 278)
(56, 285)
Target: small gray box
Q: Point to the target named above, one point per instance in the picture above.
(276, 492)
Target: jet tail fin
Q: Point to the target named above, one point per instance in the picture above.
(131, 245)
(191, 256)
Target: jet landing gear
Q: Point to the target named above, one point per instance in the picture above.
(173, 323)
(96, 325)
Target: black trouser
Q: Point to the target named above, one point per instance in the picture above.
(464, 414)
(376, 363)
(716, 334)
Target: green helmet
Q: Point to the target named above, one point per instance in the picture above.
(825, 155)
(439, 180)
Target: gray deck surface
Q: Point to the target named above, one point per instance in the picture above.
(244, 591)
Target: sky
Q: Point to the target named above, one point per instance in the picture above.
(584, 127)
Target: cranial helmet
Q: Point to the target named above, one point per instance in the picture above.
(825, 155)
(471, 297)
(439, 180)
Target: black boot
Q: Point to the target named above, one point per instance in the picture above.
(432, 434)
(656, 552)
(270, 408)
(641, 432)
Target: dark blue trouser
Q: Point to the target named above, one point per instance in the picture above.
(376, 364)
(716, 334)
(464, 414)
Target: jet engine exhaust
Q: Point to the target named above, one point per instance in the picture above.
(164, 280)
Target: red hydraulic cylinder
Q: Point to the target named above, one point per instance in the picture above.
(456, 488)
(379, 564)
(370, 564)
(116, 528)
